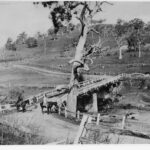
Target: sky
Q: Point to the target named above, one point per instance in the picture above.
(16, 17)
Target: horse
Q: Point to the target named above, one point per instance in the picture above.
(22, 104)
(47, 104)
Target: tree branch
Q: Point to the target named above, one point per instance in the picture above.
(92, 29)
(98, 7)
(81, 21)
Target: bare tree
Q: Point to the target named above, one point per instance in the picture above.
(120, 33)
(61, 13)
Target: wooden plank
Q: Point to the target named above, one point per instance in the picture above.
(81, 129)
(65, 112)
(89, 119)
(78, 115)
(98, 118)
(59, 110)
(123, 122)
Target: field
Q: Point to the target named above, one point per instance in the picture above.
(32, 82)
(50, 127)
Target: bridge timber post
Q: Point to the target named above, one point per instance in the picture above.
(95, 105)
(72, 102)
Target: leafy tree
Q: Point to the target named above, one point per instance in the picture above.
(10, 45)
(51, 33)
(136, 24)
(61, 14)
(9, 41)
(129, 32)
(21, 39)
(147, 27)
(137, 27)
(120, 32)
(31, 42)
(38, 35)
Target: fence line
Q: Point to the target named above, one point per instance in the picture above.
(87, 125)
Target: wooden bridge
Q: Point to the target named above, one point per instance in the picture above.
(83, 87)
(99, 82)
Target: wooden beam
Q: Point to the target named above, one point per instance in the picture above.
(78, 115)
(98, 118)
(123, 122)
(95, 105)
(65, 112)
(81, 128)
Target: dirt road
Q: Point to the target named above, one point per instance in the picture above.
(49, 126)
(39, 70)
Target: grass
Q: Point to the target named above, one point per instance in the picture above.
(57, 56)
(11, 135)
(29, 81)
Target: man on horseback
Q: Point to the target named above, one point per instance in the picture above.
(45, 100)
(49, 104)
(19, 101)
(22, 103)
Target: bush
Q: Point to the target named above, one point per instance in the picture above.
(12, 136)
(31, 42)
(11, 46)
(15, 93)
(108, 54)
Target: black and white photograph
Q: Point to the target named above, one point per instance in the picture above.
(74, 72)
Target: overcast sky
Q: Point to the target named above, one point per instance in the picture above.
(16, 17)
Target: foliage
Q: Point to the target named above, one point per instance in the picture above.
(31, 42)
(10, 135)
(10, 45)
(131, 32)
(62, 13)
(21, 38)
(15, 93)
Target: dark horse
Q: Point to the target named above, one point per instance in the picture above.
(22, 104)
(48, 105)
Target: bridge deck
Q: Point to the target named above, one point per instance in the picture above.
(91, 86)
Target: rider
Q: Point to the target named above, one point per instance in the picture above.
(19, 101)
(45, 100)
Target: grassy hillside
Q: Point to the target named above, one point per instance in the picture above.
(60, 51)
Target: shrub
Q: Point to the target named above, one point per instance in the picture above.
(108, 54)
(11, 46)
(31, 42)
(14, 94)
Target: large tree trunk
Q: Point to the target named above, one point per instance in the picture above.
(79, 54)
(72, 97)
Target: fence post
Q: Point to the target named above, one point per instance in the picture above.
(98, 117)
(89, 119)
(123, 122)
(81, 129)
(59, 110)
(65, 112)
(78, 115)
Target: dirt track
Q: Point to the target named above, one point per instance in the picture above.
(49, 126)
(39, 70)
